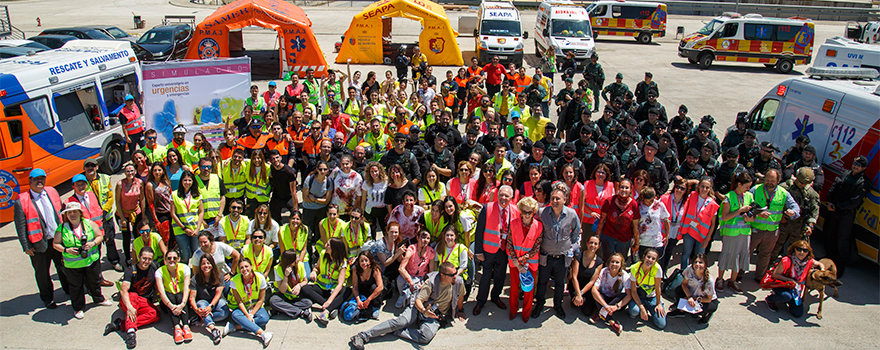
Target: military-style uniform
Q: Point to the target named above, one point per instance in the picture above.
(819, 180)
(615, 90)
(793, 230)
(689, 173)
(761, 166)
(724, 175)
(626, 155)
(709, 166)
(595, 75)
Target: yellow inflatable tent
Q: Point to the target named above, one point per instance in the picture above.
(363, 39)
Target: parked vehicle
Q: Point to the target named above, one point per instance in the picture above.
(837, 108)
(775, 42)
(167, 42)
(53, 41)
(15, 51)
(641, 20)
(499, 33)
(564, 27)
(23, 43)
(842, 52)
(116, 33)
(80, 32)
(56, 112)
(868, 33)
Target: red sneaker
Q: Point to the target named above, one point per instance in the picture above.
(187, 334)
(178, 335)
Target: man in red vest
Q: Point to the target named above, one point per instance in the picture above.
(37, 214)
(493, 227)
(130, 117)
(91, 208)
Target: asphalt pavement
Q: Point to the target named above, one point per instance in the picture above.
(742, 320)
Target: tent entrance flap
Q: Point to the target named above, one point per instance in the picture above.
(365, 40)
(216, 35)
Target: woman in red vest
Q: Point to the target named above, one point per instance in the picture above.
(795, 268)
(528, 188)
(462, 187)
(523, 247)
(699, 220)
(488, 181)
(674, 202)
(596, 192)
(575, 190)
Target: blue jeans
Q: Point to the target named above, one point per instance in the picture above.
(787, 295)
(218, 313)
(187, 246)
(611, 245)
(690, 246)
(260, 320)
(650, 303)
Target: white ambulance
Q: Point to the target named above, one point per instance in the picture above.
(847, 53)
(564, 26)
(499, 33)
(839, 109)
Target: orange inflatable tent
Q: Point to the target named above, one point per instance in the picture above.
(297, 43)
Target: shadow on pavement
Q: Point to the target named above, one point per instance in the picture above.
(723, 67)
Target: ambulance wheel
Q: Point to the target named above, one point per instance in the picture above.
(706, 60)
(692, 61)
(784, 66)
(113, 159)
(537, 50)
(645, 38)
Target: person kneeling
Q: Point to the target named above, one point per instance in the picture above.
(135, 298)
(697, 287)
(440, 296)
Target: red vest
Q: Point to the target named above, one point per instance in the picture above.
(574, 196)
(94, 211)
(492, 234)
(695, 223)
(788, 272)
(455, 190)
(527, 189)
(593, 200)
(32, 217)
(134, 123)
(523, 242)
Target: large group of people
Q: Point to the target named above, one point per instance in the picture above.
(336, 194)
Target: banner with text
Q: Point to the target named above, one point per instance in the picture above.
(198, 94)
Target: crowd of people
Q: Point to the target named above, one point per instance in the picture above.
(332, 195)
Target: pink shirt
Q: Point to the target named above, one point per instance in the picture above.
(418, 265)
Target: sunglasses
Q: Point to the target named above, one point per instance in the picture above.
(527, 213)
(323, 170)
(680, 188)
(172, 258)
(91, 165)
(802, 250)
(258, 237)
(448, 274)
(145, 231)
(356, 218)
(264, 213)
(205, 167)
(235, 208)
(151, 138)
(255, 126)
(464, 169)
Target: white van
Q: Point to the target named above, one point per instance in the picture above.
(57, 110)
(838, 109)
(842, 52)
(499, 33)
(564, 26)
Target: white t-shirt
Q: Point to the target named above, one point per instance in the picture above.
(375, 194)
(651, 224)
(221, 252)
(605, 282)
(695, 285)
(271, 234)
(437, 194)
(346, 188)
(186, 272)
(258, 276)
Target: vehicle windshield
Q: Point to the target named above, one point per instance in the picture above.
(710, 27)
(117, 33)
(36, 45)
(155, 38)
(501, 28)
(571, 28)
(97, 34)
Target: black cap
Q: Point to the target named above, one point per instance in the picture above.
(539, 145)
(703, 127)
(653, 92)
(742, 117)
(803, 139)
(628, 132)
(811, 149)
(335, 104)
(649, 75)
(711, 145)
(550, 126)
(414, 129)
(708, 119)
(666, 135)
(609, 108)
(751, 133)
(660, 124)
(442, 135)
(568, 146)
(602, 139)
(654, 110)
(594, 55)
(693, 152)
(861, 161)
(620, 100)
(473, 131)
(732, 152)
(632, 121)
(651, 143)
(767, 144)
(586, 129)
(683, 108)
(401, 135)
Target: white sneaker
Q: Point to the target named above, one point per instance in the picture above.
(228, 328)
(267, 337)
(106, 303)
(79, 315)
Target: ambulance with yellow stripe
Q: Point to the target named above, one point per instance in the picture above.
(641, 20)
(57, 109)
(776, 42)
(837, 108)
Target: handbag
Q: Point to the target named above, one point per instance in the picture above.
(163, 228)
(768, 282)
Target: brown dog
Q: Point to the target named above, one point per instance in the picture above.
(820, 279)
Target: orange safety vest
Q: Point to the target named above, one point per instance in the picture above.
(492, 234)
(522, 82)
(134, 123)
(32, 217)
(462, 82)
(696, 223)
(282, 146)
(226, 151)
(474, 73)
(92, 211)
(250, 142)
(450, 100)
(455, 190)
(593, 200)
(523, 242)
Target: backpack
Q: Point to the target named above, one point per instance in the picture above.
(670, 283)
(350, 311)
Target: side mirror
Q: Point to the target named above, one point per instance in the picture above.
(525, 35)
(475, 32)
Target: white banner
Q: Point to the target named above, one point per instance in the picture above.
(198, 94)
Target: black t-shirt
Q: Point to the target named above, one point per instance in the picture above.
(203, 292)
(142, 281)
(393, 195)
(281, 180)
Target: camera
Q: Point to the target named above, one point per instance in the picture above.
(83, 252)
(754, 212)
